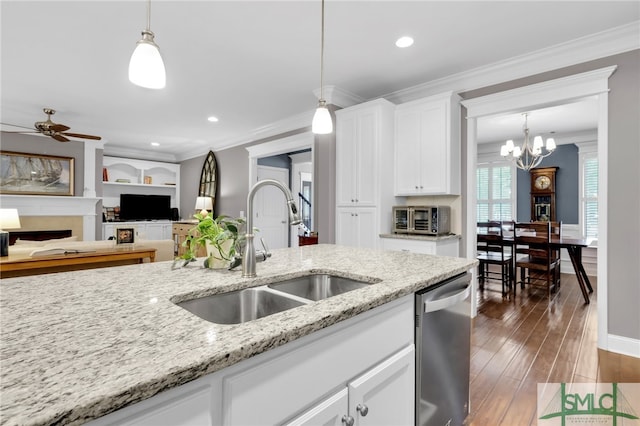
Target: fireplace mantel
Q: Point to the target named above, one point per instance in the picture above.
(44, 205)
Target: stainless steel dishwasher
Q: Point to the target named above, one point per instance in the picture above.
(443, 343)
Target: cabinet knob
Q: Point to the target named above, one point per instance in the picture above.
(362, 409)
(416, 186)
(356, 200)
(348, 420)
(353, 201)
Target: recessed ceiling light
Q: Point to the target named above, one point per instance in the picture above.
(405, 41)
(213, 119)
(155, 144)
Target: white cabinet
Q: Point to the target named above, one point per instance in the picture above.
(160, 230)
(364, 174)
(356, 227)
(130, 176)
(381, 396)
(441, 247)
(427, 146)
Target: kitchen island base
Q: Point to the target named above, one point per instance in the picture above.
(366, 361)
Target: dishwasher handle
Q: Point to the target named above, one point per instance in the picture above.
(439, 304)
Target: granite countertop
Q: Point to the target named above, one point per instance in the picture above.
(420, 237)
(79, 345)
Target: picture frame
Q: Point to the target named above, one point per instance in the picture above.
(125, 235)
(36, 174)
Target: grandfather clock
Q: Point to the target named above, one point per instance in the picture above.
(543, 194)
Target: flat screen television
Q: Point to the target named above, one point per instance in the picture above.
(145, 207)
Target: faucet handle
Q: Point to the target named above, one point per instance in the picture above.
(262, 255)
(264, 246)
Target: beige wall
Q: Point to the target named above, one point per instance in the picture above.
(623, 189)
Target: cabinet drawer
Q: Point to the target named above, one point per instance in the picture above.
(414, 246)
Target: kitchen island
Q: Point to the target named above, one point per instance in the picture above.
(80, 345)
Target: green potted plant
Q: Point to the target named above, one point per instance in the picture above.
(220, 236)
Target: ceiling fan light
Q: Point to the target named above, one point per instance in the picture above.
(322, 124)
(146, 68)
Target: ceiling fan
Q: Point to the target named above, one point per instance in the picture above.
(54, 130)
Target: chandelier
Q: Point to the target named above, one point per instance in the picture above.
(527, 156)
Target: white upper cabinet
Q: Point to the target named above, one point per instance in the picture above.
(364, 134)
(427, 146)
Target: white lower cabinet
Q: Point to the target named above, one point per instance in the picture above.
(321, 378)
(144, 230)
(382, 396)
(356, 227)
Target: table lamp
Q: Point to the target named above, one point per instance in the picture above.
(9, 219)
(204, 205)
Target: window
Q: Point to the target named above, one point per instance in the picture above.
(495, 190)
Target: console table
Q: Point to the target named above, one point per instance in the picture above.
(17, 266)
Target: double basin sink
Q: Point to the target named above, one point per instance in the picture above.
(252, 303)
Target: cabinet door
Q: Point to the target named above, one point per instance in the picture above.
(346, 159)
(366, 229)
(108, 230)
(328, 413)
(366, 154)
(385, 394)
(345, 228)
(434, 150)
(407, 152)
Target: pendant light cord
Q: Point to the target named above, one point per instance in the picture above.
(149, 15)
(321, 53)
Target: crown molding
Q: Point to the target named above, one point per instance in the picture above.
(339, 97)
(599, 45)
(120, 151)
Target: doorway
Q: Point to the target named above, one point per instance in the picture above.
(292, 144)
(545, 94)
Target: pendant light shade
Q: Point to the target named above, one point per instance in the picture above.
(322, 123)
(146, 68)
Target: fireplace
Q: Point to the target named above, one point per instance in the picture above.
(38, 235)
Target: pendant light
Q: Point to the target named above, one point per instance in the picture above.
(322, 123)
(146, 68)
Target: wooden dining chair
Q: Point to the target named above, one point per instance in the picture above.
(493, 250)
(538, 261)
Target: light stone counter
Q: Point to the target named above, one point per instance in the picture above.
(78, 345)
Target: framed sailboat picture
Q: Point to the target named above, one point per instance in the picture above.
(35, 174)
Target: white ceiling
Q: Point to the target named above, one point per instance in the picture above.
(254, 64)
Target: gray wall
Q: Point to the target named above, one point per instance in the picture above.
(565, 158)
(623, 191)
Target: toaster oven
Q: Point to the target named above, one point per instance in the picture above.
(425, 220)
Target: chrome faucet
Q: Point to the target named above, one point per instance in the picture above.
(249, 257)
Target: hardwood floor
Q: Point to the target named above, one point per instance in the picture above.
(520, 341)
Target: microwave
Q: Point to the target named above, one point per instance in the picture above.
(426, 220)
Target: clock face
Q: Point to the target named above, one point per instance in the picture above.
(542, 182)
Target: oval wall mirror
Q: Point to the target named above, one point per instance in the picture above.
(209, 179)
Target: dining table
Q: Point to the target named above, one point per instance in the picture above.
(574, 246)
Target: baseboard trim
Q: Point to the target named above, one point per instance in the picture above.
(623, 345)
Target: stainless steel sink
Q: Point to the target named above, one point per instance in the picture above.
(318, 286)
(252, 303)
(240, 306)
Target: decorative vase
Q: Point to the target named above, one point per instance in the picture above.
(216, 260)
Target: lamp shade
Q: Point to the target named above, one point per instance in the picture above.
(204, 203)
(9, 219)
(146, 68)
(322, 124)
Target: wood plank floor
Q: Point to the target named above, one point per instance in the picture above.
(518, 342)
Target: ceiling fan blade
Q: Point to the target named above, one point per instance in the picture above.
(58, 127)
(80, 135)
(59, 137)
(21, 131)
